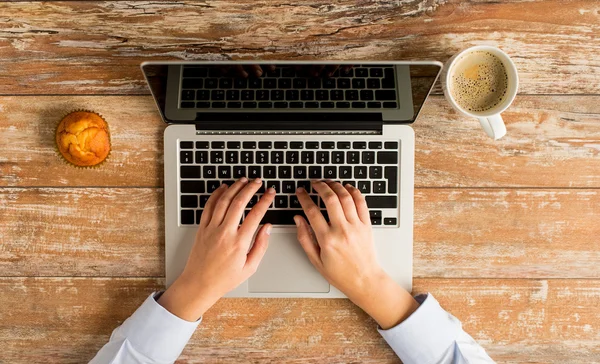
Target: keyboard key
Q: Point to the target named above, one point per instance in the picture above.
(217, 95)
(327, 145)
(311, 105)
(270, 172)
(375, 145)
(366, 95)
(368, 157)
(373, 83)
(296, 105)
(189, 201)
(299, 82)
(249, 145)
(203, 95)
(288, 187)
(304, 184)
(374, 105)
(285, 172)
(247, 95)
(280, 105)
(390, 105)
(187, 217)
(231, 157)
(329, 172)
(234, 145)
(292, 157)
(379, 187)
(249, 105)
(385, 95)
(277, 95)
(391, 174)
(218, 105)
(186, 145)
(307, 157)
(361, 72)
(323, 157)
(375, 213)
(351, 183)
(375, 172)
(198, 216)
(277, 157)
(232, 95)
(224, 172)
(239, 171)
(203, 105)
(188, 105)
(265, 145)
(186, 157)
(281, 217)
(345, 172)
(359, 145)
(281, 145)
(194, 72)
(358, 105)
(285, 83)
(312, 145)
(390, 221)
(281, 201)
(211, 83)
(353, 157)
(351, 95)
(262, 95)
(307, 95)
(234, 105)
(274, 73)
(382, 202)
(342, 105)
(343, 145)
(209, 171)
(193, 83)
(376, 72)
(188, 95)
(322, 95)
(288, 72)
(201, 145)
(336, 95)
(270, 83)
(228, 182)
(391, 145)
(327, 105)
(329, 83)
(300, 172)
(294, 203)
(216, 157)
(217, 145)
(314, 172)
(192, 186)
(387, 158)
(204, 200)
(343, 83)
(247, 157)
(254, 172)
(375, 220)
(314, 83)
(240, 83)
(189, 172)
(360, 172)
(255, 83)
(296, 145)
(292, 95)
(262, 157)
(358, 83)
(212, 185)
(337, 157)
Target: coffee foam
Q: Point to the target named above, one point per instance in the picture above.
(479, 81)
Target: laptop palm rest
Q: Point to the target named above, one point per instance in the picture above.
(286, 269)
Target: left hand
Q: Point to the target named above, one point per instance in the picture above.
(221, 258)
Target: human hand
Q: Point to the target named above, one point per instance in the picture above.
(344, 253)
(221, 257)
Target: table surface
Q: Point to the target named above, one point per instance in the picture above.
(506, 233)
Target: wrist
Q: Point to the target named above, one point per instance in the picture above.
(187, 300)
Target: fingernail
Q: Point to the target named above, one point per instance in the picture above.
(257, 180)
(271, 190)
(297, 220)
(244, 74)
(348, 185)
(300, 189)
(223, 185)
(243, 179)
(269, 228)
(258, 73)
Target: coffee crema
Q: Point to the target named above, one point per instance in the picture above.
(479, 81)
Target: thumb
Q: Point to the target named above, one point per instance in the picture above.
(258, 250)
(308, 242)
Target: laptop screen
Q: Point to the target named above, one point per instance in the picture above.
(389, 92)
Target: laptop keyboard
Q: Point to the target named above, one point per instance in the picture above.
(361, 87)
(371, 166)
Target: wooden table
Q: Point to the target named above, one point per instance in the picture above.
(506, 233)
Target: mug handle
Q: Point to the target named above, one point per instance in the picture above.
(493, 126)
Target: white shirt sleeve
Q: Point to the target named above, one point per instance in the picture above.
(151, 335)
(433, 336)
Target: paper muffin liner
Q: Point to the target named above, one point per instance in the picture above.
(65, 160)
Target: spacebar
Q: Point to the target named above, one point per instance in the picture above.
(280, 217)
(382, 202)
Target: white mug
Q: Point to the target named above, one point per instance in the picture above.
(490, 120)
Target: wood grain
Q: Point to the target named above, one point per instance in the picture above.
(547, 135)
(458, 233)
(83, 47)
(66, 320)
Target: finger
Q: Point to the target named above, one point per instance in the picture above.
(210, 205)
(346, 201)
(258, 250)
(240, 201)
(332, 202)
(312, 211)
(255, 215)
(330, 70)
(225, 200)
(254, 70)
(239, 70)
(346, 69)
(308, 242)
(361, 204)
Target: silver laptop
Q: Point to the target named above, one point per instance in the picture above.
(289, 123)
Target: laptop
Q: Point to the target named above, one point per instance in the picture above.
(289, 123)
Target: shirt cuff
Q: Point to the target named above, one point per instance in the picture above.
(155, 332)
(425, 335)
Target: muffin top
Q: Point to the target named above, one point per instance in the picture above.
(82, 138)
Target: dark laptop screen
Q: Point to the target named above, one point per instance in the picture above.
(350, 91)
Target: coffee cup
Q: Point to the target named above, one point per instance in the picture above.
(481, 82)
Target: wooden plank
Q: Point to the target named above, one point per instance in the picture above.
(547, 135)
(458, 233)
(99, 48)
(67, 320)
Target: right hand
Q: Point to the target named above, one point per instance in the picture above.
(344, 253)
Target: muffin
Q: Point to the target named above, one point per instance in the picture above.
(83, 139)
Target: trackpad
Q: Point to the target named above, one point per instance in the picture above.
(286, 269)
